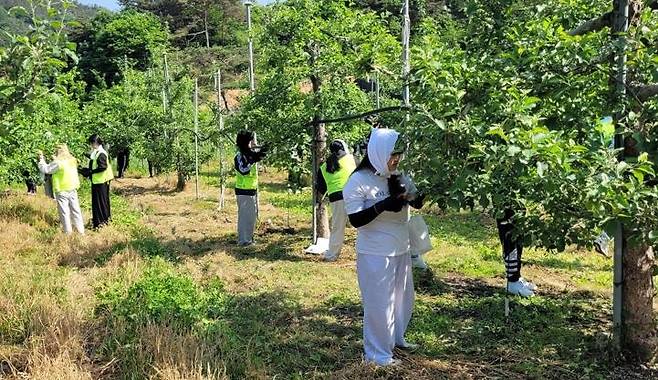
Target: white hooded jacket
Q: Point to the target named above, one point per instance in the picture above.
(388, 233)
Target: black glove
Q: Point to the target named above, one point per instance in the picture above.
(417, 202)
(395, 186)
(265, 148)
(84, 172)
(392, 204)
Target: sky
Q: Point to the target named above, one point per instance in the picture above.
(114, 4)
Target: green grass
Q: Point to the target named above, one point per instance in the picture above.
(281, 313)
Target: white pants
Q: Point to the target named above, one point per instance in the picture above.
(247, 214)
(387, 294)
(70, 214)
(338, 223)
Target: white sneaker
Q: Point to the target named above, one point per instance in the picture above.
(418, 262)
(518, 288)
(528, 284)
(390, 363)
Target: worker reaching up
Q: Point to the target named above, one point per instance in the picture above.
(64, 171)
(246, 184)
(332, 177)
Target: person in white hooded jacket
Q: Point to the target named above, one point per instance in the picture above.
(377, 202)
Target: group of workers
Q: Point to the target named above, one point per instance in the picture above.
(374, 196)
(63, 172)
(376, 199)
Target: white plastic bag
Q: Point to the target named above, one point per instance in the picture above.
(419, 236)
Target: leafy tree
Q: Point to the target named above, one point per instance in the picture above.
(132, 114)
(112, 41)
(30, 79)
(216, 22)
(507, 118)
(29, 62)
(312, 52)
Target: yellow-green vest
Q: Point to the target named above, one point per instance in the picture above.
(103, 176)
(336, 181)
(66, 177)
(248, 181)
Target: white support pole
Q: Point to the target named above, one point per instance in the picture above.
(218, 87)
(406, 64)
(196, 136)
(620, 27)
(252, 81)
(377, 90)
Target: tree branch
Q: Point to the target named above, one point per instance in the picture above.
(596, 24)
(593, 25)
(359, 116)
(645, 92)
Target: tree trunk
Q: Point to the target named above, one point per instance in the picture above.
(639, 338)
(319, 146)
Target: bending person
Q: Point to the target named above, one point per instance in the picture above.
(376, 205)
(246, 184)
(512, 249)
(65, 182)
(332, 177)
(101, 175)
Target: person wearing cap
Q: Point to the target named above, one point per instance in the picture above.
(377, 199)
(246, 184)
(332, 177)
(65, 182)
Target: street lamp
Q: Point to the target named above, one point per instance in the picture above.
(252, 85)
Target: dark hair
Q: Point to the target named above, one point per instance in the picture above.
(95, 139)
(365, 164)
(337, 150)
(243, 139)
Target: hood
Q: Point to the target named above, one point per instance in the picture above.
(381, 145)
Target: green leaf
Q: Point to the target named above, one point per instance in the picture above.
(541, 167)
(513, 150)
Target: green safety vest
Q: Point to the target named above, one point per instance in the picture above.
(249, 181)
(66, 177)
(336, 181)
(103, 176)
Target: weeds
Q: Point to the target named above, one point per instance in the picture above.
(161, 299)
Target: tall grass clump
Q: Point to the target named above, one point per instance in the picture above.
(164, 322)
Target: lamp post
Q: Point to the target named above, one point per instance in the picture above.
(252, 85)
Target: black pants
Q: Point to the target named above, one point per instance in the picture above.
(31, 186)
(151, 168)
(100, 204)
(512, 247)
(123, 159)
